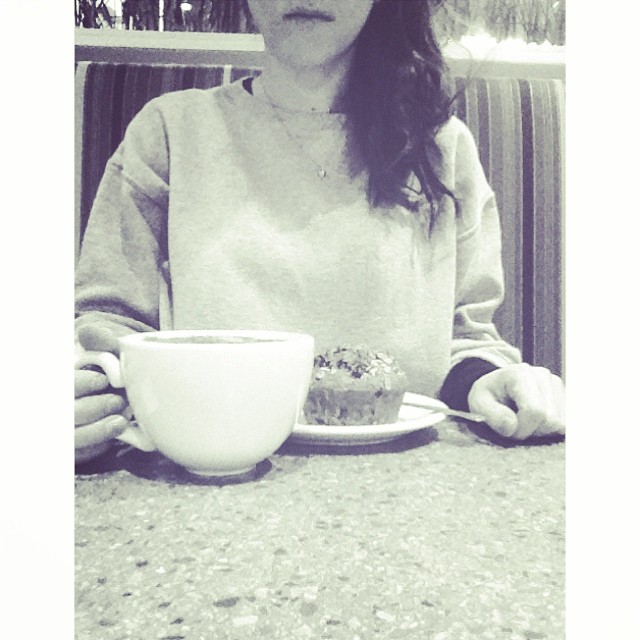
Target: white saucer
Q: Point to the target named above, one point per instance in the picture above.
(409, 419)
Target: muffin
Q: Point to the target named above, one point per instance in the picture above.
(355, 386)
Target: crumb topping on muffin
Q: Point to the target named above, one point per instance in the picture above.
(358, 362)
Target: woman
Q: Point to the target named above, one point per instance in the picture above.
(335, 195)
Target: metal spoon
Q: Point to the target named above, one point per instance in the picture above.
(417, 400)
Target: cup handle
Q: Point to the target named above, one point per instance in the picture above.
(110, 364)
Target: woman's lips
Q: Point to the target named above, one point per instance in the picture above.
(308, 14)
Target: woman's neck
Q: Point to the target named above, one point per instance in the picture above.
(311, 89)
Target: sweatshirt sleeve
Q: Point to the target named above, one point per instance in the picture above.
(479, 287)
(119, 275)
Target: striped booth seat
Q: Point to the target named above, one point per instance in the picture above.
(518, 124)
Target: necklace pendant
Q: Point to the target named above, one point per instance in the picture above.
(322, 173)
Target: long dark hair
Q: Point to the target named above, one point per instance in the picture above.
(396, 100)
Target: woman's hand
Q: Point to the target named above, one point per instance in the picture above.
(98, 408)
(519, 401)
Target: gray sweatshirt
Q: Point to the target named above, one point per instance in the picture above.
(212, 214)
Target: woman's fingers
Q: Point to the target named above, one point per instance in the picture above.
(93, 400)
(498, 397)
(100, 431)
(93, 408)
(88, 382)
(97, 415)
(102, 337)
(524, 390)
(520, 401)
(551, 395)
(98, 408)
(501, 418)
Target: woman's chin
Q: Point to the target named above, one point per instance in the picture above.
(302, 51)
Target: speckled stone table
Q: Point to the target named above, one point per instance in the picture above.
(440, 535)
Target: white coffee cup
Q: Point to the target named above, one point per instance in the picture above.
(216, 402)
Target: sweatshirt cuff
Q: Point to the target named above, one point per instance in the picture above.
(456, 386)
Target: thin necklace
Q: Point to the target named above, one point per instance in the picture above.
(321, 167)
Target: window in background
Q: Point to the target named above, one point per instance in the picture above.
(224, 16)
(527, 21)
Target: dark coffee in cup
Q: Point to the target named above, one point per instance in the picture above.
(204, 339)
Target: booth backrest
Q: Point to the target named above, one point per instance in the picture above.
(518, 124)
